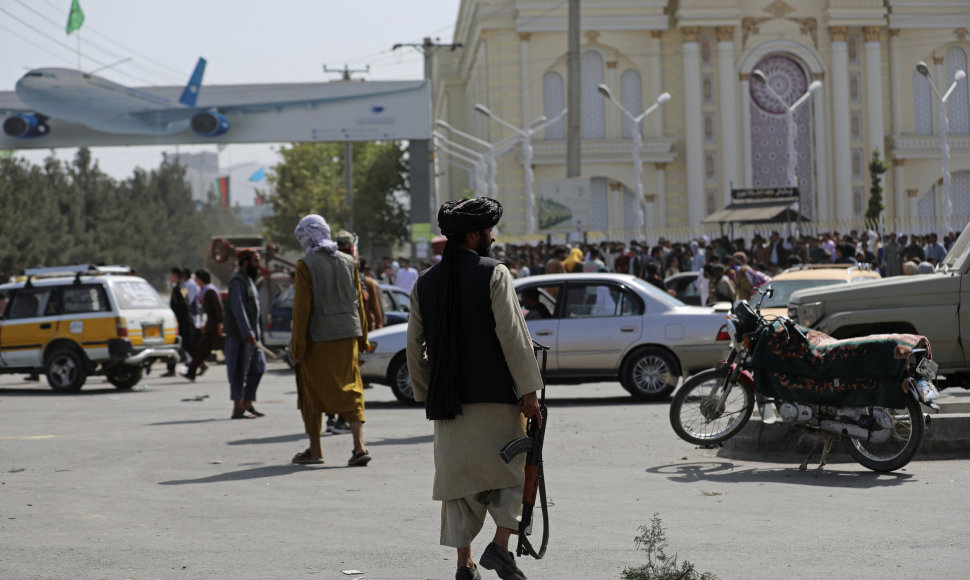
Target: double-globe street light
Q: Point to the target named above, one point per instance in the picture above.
(526, 137)
(635, 127)
(924, 70)
(760, 77)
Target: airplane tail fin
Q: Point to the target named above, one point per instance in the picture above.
(191, 92)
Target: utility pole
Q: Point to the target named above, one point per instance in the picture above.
(348, 147)
(573, 99)
(346, 71)
(422, 152)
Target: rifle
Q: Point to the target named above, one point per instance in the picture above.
(535, 483)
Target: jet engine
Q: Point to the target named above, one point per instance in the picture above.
(210, 124)
(26, 126)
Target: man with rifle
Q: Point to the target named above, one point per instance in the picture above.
(472, 364)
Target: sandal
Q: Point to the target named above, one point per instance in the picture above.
(253, 410)
(359, 459)
(304, 458)
(241, 415)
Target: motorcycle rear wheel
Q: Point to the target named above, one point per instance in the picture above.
(904, 441)
(692, 412)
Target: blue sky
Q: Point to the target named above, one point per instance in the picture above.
(244, 41)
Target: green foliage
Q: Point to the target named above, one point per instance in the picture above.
(73, 213)
(876, 168)
(310, 179)
(660, 566)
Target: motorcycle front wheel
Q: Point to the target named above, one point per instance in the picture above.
(694, 414)
(908, 429)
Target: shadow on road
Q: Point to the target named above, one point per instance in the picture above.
(264, 440)
(621, 401)
(254, 473)
(416, 440)
(186, 422)
(727, 472)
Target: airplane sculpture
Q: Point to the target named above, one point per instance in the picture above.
(78, 97)
(61, 107)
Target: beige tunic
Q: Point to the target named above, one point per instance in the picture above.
(466, 448)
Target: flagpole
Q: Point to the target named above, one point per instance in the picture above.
(78, 33)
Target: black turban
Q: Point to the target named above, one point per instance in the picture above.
(468, 215)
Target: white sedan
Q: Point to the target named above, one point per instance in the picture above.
(600, 327)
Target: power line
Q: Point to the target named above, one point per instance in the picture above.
(63, 45)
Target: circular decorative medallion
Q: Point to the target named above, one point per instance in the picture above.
(785, 77)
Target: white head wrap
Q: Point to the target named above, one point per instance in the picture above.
(314, 234)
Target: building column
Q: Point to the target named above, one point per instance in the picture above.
(895, 80)
(613, 117)
(660, 211)
(899, 199)
(913, 195)
(729, 123)
(939, 76)
(877, 137)
(747, 170)
(840, 114)
(694, 132)
(526, 78)
(649, 218)
(657, 75)
(823, 180)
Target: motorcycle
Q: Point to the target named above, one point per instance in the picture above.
(867, 391)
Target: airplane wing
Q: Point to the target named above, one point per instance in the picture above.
(176, 114)
(11, 105)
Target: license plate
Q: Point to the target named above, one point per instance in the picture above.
(153, 331)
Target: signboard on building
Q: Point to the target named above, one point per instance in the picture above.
(764, 193)
(565, 205)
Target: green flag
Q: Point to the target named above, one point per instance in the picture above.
(76, 19)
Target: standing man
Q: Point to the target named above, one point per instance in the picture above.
(183, 315)
(372, 301)
(245, 362)
(471, 362)
(329, 329)
(405, 276)
(212, 330)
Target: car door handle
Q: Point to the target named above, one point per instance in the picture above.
(543, 333)
(45, 326)
(628, 329)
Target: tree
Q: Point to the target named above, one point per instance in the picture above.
(876, 168)
(310, 179)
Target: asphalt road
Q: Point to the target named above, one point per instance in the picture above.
(157, 482)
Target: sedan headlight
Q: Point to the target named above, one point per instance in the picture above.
(807, 314)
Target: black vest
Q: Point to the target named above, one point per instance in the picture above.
(484, 376)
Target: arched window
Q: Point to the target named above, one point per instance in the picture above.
(594, 111)
(632, 98)
(958, 105)
(553, 102)
(922, 105)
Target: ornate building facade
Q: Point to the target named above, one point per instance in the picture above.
(721, 129)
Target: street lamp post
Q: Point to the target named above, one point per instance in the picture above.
(477, 159)
(922, 69)
(790, 118)
(526, 137)
(492, 152)
(637, 139)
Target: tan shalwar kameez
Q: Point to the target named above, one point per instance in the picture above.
(328, 376)
(470, 477)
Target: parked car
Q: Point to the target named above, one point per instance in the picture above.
(927, 304)
(802, 277)
(75, 321)
(600, 327)
(279, 320)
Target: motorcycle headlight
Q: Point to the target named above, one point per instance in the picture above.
(734, 332)
(807, 314)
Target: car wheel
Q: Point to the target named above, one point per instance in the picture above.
(650, 374)
(65, 370)
(124, 376)
(400, 380)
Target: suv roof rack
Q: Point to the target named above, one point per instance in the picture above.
(77, 270)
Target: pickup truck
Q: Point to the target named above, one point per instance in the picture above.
(935, 305)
